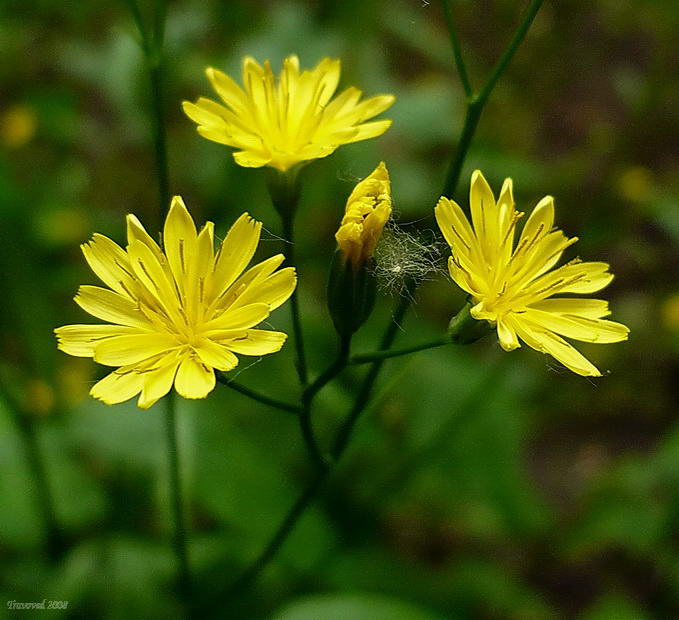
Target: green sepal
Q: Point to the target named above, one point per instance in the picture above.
(284, 189)
(351, 294)
(465, 329)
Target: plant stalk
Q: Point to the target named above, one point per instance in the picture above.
(254, 395)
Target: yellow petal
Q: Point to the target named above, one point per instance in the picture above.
(109, 306)
(158, 382)
(482, 206)
(454, 225)
(548, 342)
(194, 379)
(369, 130)
(252, 159)
(117, 387)
(592, 308)
(236, 252)
(227, 89)
(218, 135)
(80, 340)
(110, 263)
(257, 342)
(540, 221)
(578, 327)
(179, 239)
(507, 336)
(136, 232)
(157, 280)
(132, 349)
(273, 291)
(216, 355)
(240, 318)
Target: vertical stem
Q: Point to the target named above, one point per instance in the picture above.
(54, 540)
(305, 418)
(363, 397)
(179, 534)
(289, 235)
(286, 526)
(457, 50)
(159, 136)
(152, 45)
(474, 109)
(471, 120)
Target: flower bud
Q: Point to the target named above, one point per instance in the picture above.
(352, 286)
(368, 210)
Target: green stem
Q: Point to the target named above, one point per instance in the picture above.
(364, 358)
(289, 236)
(305, 419)
(287, 525)
(471, 120)
(476, 103)
(159, 135)
(474, 110)
(508, 54)
(457, 50)
(311, 491)
(272, 402)
(54, 541)
(284, 189)
(179, 535)
(152, 45)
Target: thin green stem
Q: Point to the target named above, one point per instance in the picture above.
(179, 535)
(287, 525)
(508, 54)
(139, 22)
(471, 120)
(331, 371)
(272, 402)
(305, 419)
(152, 45)
(159, 134)
(311, 490)
(474, 110)
(289, 236)
(54, 541)
(365, 391)
(364, 358)
(457, 49)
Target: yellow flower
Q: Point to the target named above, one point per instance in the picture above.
(176, 313)
(368, 210)
(512, 286)
(294, 119)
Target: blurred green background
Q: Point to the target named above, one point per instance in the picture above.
(479, 484)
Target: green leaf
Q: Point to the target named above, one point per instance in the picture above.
(354, 606)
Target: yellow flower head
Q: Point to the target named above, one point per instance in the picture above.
(368, 210)
(512, 285)
(280, 123)
(176, 314)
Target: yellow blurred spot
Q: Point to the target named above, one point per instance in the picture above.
(39, 397)
(636, 183)
(74, 378)
(670, 312)
(17, 126)
(63, 226)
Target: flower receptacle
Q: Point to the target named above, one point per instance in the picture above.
(465, 329)
(351, 294)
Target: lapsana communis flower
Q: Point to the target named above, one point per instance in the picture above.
(512, 286)
(280, 123)
(177, 313)
(368, 210)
